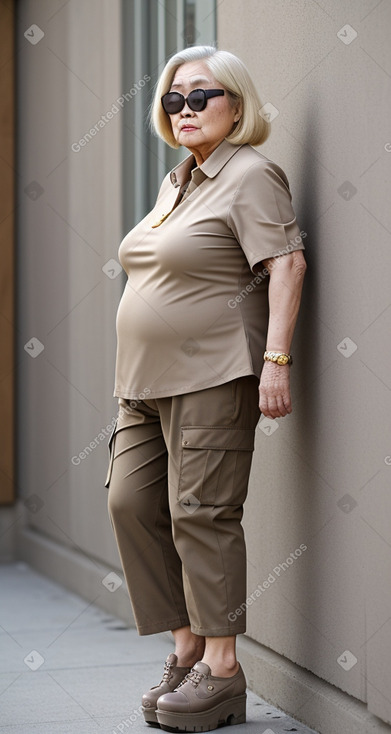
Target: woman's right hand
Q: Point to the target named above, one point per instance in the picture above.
(274, 390)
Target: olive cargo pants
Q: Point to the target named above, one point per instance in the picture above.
(178, 476)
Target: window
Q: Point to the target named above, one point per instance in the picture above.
(153, 30)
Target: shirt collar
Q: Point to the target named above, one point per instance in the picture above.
(210, 167)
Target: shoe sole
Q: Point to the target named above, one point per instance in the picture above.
(150, 716)
(228, 713)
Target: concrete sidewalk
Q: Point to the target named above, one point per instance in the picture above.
(66, 666)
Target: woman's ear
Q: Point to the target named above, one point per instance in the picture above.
(238, 111)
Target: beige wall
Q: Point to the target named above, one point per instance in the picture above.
(332, 126)
(66, 234)
(333, 101)
(7, 248)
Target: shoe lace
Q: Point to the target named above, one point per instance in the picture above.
(167, 675)
(194, 677)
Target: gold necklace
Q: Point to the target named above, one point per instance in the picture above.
(162, 218)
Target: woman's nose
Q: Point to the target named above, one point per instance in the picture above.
(186, 111)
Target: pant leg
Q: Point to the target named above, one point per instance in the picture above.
(140, 516)
(210, 439)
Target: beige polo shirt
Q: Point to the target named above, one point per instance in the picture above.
(194, 312)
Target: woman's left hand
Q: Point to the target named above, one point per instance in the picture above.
(274, 390)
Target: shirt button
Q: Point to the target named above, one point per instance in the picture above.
(185, 443)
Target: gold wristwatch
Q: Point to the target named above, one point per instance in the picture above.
(278, 357)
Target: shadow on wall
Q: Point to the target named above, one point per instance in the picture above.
(307, 403)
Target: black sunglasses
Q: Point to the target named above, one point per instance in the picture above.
(174, 102)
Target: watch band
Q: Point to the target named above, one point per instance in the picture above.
(280, 358)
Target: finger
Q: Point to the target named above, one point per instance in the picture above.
(263, 406)
(272, 410)
(287, 402)
(267, 414)
(281, 406)
(268, 404)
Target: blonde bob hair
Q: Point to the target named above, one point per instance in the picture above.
(232, 74)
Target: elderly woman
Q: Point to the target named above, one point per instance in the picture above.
(204, 330)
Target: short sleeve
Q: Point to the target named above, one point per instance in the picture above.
(261, 215)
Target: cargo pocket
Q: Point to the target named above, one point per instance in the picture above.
(215, 464)
(111, 453)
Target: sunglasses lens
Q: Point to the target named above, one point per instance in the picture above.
(196, 100)
(173, 102)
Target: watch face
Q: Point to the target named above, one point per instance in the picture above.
(282, 359)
